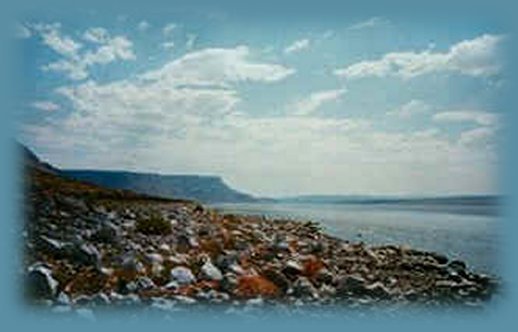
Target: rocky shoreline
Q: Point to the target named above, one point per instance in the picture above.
(89, 248)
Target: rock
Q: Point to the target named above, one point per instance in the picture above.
(130, 264)
(154, 258)
(327, 291)
(229, 282)
(83, 300)
(292, 269)
(182, 275)
(377, 290)
(140, 284)
(350, 285)
(76, 204)
(324, 276)
(86, 254)
(50, 246)
(100, 299)
(457, 266)
(303, 288)
(107, 233)
(439, 259)
(185, 242)
(164, 248)
(317, 247)
(40, 282)
(210, 272)
(225, 261)
(172, 285)
(281, 246)
(63, 299)
(278, 278)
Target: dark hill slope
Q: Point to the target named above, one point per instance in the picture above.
(207, 189)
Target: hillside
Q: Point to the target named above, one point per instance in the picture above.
(207, 189)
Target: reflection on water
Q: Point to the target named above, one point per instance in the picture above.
(471, 237)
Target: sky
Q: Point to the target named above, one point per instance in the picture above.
(331, 105)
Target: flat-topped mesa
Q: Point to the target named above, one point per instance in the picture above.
(203, 188)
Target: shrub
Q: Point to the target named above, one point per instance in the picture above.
(153, 225)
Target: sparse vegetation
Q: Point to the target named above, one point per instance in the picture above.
(153, 225)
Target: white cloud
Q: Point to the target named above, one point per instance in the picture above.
(478, 137)
(478, 117)
(45, 105)
(114, 48)
(96, 35)
(297, 46)
(328, 34)
(143, 25)
(475, 57)
(315, 100)
(171, 102)
(75, 64)
(168, 45)
(168, 29)
(217, 67)
(22, 32)
(191, 40)
(369, 23)
(52, 37)
(410, 109)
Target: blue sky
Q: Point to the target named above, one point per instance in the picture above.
(372, 104)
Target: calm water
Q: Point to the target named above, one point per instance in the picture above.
(471, 237)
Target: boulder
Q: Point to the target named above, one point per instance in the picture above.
(55, 248)
(278, 278)
(324, 276)
(292, 269)
(131, 265)
(40, 282)
(140, 284)
(377, 290)
(210, 272)
(457, 266)
(107, 233)
(303, 288)
(86, 254)
(182, 275)
(229, 282)
(350, 285)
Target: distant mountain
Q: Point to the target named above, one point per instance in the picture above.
(31, 160)
(461, 204)
(207, 189)
(375, 199)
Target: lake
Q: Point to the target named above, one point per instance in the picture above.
(460, 232)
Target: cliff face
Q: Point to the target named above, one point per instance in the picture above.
(207, 189)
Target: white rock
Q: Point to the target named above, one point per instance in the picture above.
(210, 272)
(182, 275)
